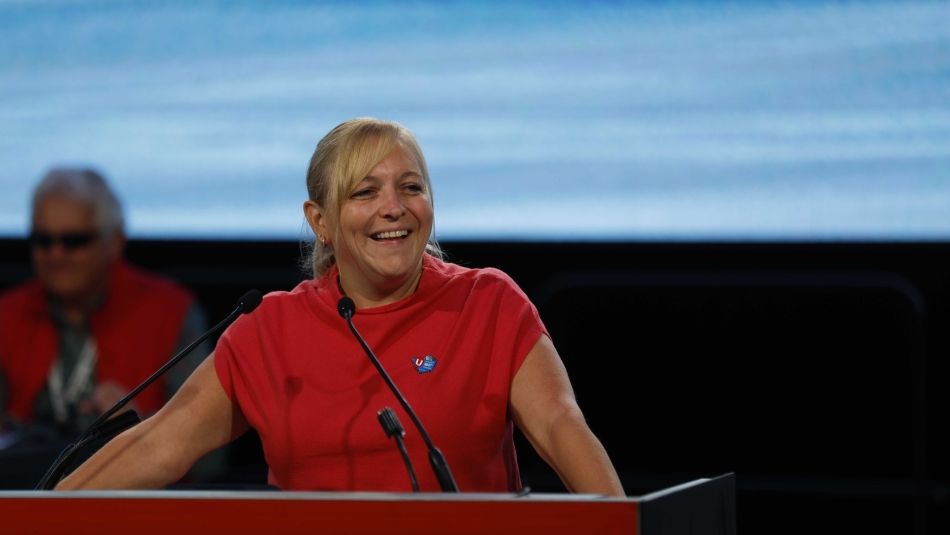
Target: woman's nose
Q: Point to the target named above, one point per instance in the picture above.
(391, 206)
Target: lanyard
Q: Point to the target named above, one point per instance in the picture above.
(60, 399)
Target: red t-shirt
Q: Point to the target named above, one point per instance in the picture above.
(302, 381)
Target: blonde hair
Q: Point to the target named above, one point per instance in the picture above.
(342, 160)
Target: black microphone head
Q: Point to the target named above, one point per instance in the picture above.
(346, 307)
(249, 301)
(390, 422)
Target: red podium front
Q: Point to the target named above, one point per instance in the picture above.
(170, 512)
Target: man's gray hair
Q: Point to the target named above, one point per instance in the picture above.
(87, 186)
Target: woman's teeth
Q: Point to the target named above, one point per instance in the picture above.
(390, 235)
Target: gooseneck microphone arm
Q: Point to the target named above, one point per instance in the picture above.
(246, 303)
(440, 467)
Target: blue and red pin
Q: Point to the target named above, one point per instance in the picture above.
(425, 364)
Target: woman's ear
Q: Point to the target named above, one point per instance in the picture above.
(317, 221)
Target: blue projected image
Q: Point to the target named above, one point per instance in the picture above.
(542, 120)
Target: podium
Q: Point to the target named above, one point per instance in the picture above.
(700, 507)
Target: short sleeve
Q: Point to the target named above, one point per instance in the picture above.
(518, 320)
(224, 363)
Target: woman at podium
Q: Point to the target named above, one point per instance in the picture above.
(465, 347)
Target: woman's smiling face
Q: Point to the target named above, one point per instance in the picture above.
(384, 225)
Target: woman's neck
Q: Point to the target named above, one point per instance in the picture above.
(368, 295)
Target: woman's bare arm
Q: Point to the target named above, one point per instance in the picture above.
(544, 408)
(160, 450)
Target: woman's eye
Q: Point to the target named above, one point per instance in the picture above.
(415, 188)
(362, 193)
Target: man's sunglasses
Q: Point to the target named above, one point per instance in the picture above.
(69, 240)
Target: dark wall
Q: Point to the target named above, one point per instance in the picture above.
(814, 371)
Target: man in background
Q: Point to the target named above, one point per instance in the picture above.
(89, 327)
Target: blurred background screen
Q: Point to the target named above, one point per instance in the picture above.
(609, 121)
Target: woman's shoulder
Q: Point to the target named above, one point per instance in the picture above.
(303, 290)
(279, 302)
(451, 273)
(278, 311)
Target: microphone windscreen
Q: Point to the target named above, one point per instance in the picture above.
(249, 301)
(346, 307)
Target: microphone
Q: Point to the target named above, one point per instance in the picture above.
(393, 428)
(440, 467)
(102, 428)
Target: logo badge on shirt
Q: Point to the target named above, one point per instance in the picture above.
(425, 364)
